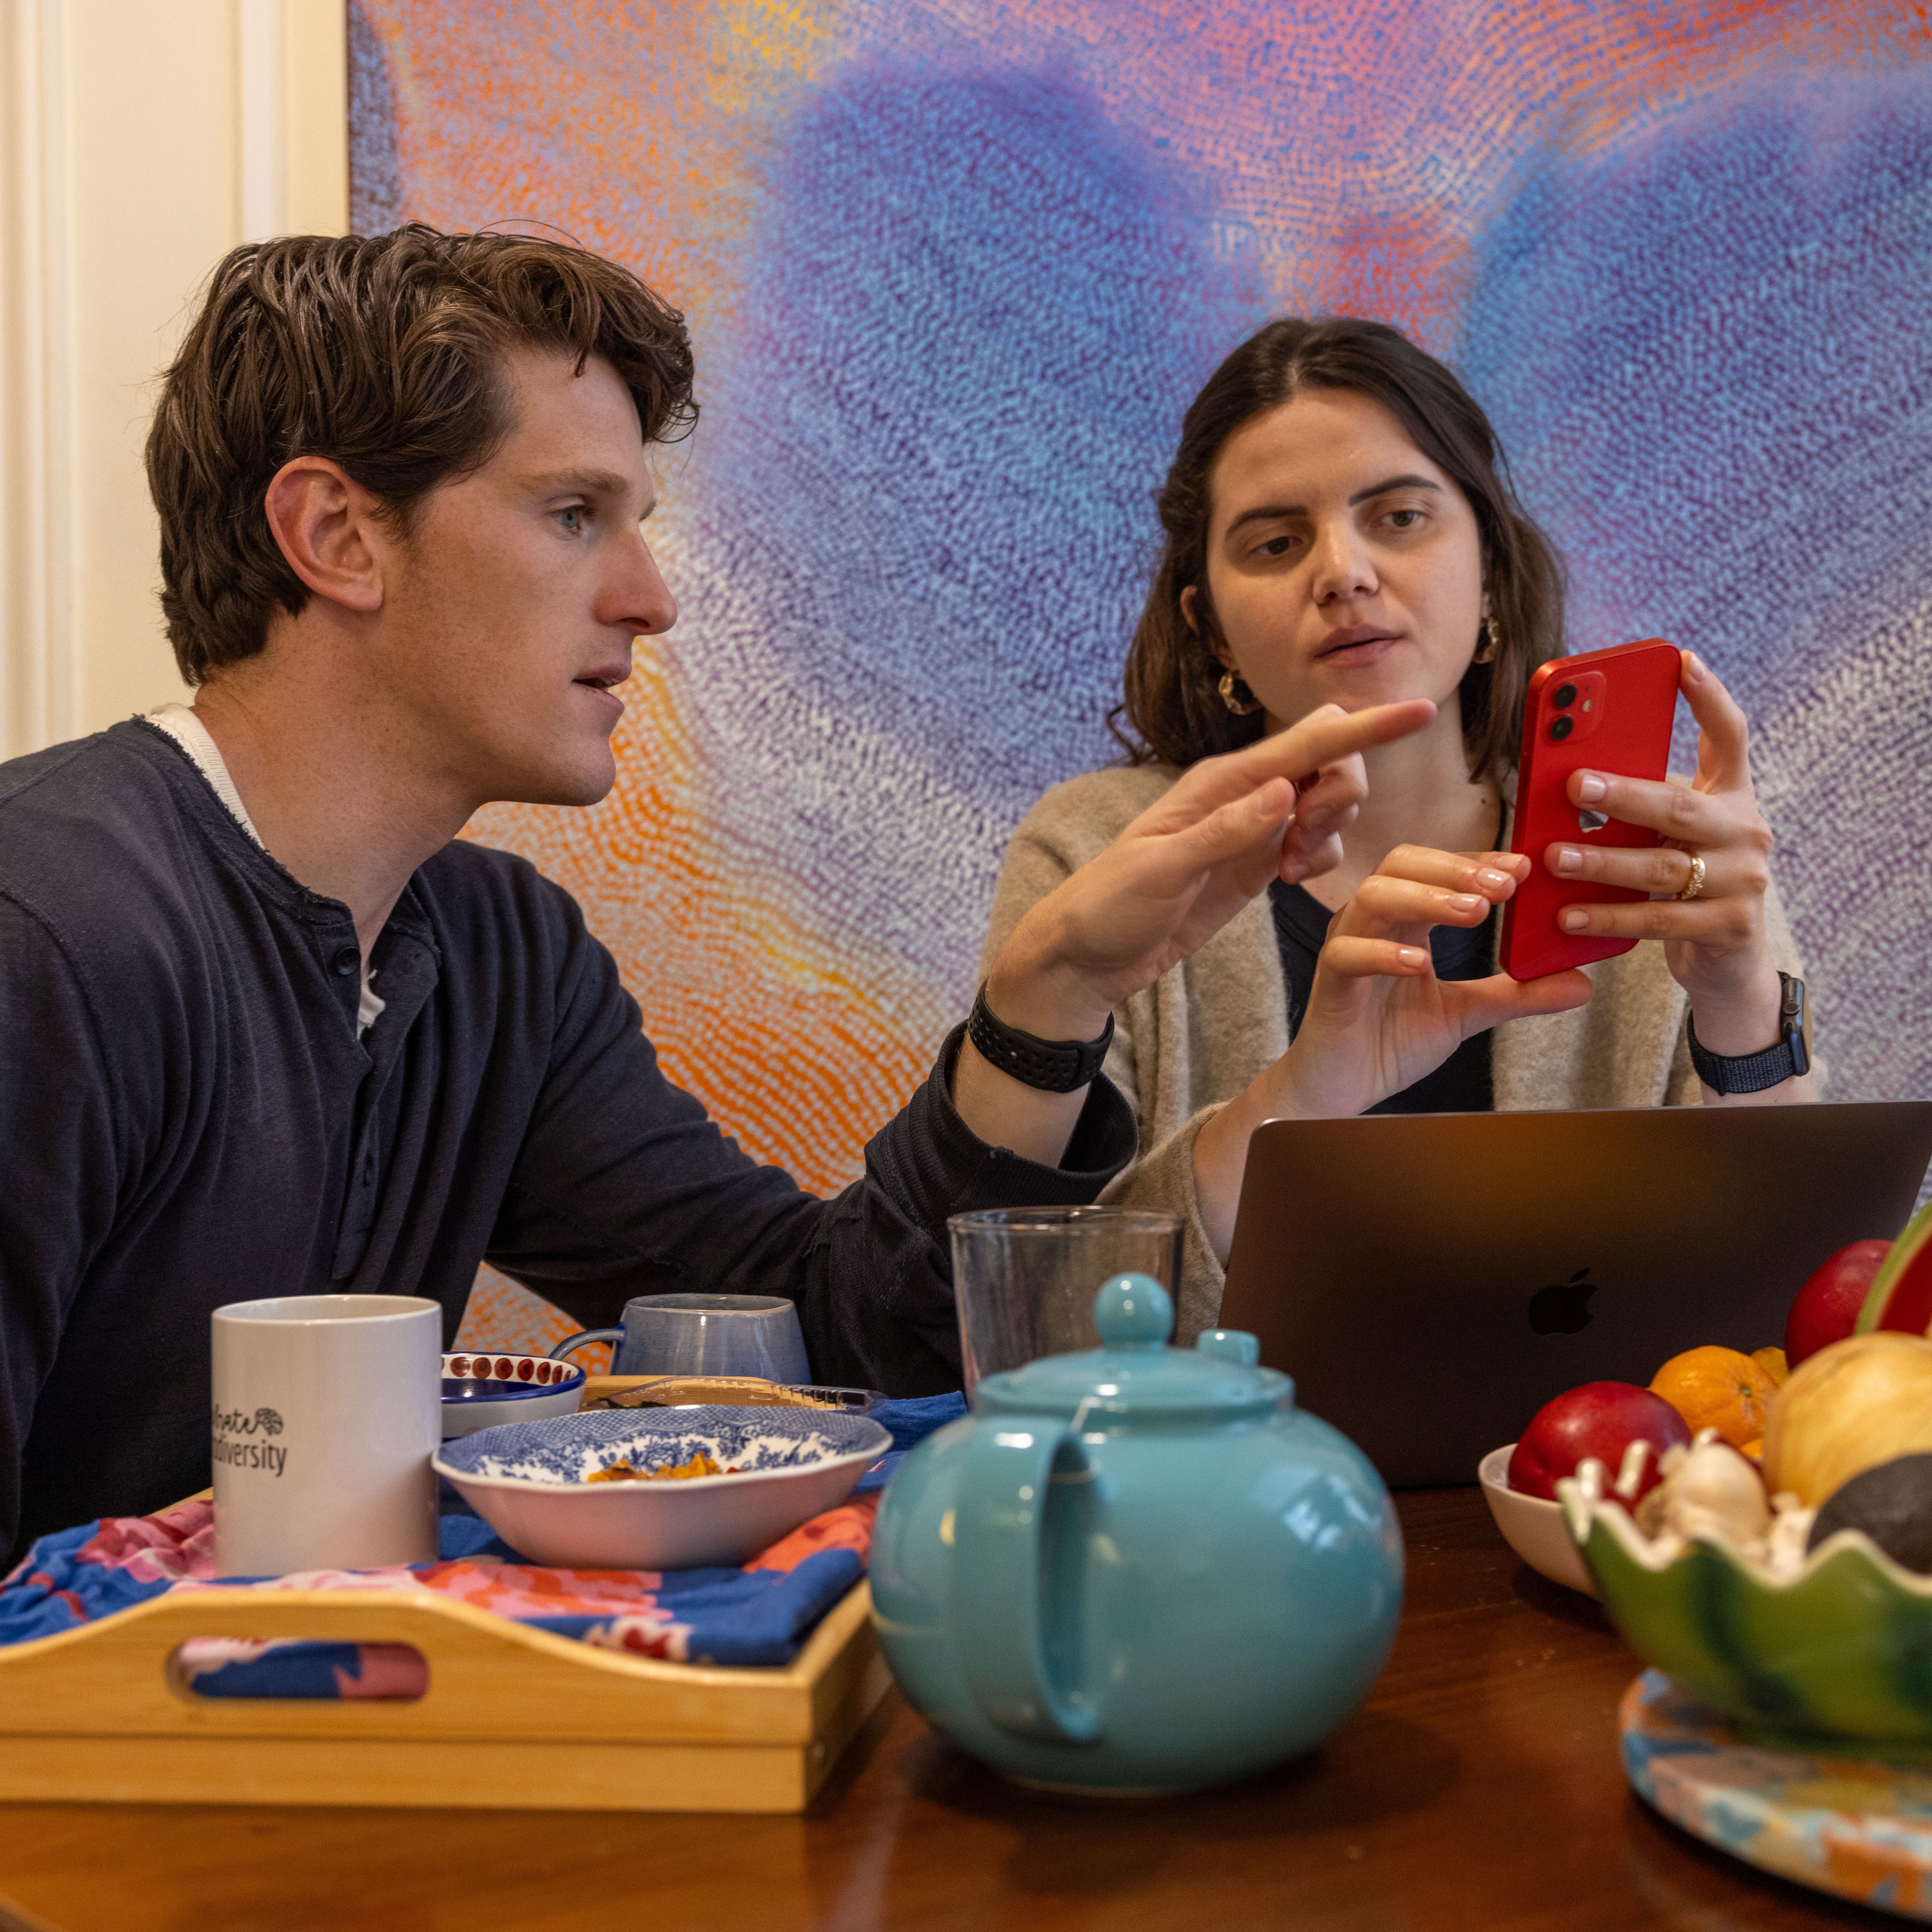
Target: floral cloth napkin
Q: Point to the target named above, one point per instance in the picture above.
(758, 1613)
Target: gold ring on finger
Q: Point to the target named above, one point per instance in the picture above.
(1694, 884)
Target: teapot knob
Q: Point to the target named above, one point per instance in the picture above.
(1230, 1345)
(1133, 1311)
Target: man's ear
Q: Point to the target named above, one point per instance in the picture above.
(325, 524)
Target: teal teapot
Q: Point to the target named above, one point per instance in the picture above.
(1136, 1568)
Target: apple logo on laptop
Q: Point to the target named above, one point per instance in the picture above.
(1563, 1308)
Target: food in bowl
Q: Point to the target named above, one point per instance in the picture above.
(1900, 1297)
(1604, 1420)
(1891, 1504)
(700, 1465)
(1828, 1307)
(1723, 1389)
(1851, 1406)
(541, 1486)
(1804, 1637)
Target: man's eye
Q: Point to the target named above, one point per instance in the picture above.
(572, 519)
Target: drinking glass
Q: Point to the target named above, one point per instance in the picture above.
(1023, 1278)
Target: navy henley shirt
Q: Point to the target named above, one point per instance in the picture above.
(187, 1118)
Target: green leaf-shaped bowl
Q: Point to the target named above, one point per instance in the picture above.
(1841, 1648)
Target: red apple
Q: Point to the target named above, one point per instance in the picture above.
(1827, 1306)
(1600, 1419)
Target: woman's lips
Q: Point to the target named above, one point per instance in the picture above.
(1352, 649)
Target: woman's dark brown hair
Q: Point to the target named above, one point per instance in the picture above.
(385, 354)
(1173, 707)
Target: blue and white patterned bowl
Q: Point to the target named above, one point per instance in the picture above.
(527, 1481)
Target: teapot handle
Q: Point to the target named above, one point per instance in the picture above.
(999, 1525)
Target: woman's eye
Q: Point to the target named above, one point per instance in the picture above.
(1405, 519)
(1276, 547)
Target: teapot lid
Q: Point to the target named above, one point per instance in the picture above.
(1134, 1372)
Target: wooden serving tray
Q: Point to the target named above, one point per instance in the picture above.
(513, 1718)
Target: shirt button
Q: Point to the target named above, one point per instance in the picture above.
(346, 963)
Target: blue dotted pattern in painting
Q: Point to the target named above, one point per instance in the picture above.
(1711, 354)
(976, 320)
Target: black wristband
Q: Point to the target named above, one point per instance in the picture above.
(1753, 1073)
(1053, 1066)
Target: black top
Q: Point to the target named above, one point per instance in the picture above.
(1462, 1084)
(188, 1118)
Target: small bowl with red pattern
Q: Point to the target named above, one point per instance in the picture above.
(481, 1390)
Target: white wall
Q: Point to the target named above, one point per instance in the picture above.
(142, 139)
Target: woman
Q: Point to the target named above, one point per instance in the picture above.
(1338, 531)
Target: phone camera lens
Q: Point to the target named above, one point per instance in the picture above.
(1562, 728)
(1566, 694)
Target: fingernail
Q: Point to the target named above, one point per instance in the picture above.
(1568, 859)
(1575, 922)
(1466, 902)
(1590, 788)
(1410, 956)
(1693, 666)
(1494, 880)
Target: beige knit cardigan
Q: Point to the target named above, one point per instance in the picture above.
(1201, 1032)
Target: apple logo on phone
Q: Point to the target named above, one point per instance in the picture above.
(1563, 1308)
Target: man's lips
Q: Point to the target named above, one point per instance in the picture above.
(604, 677)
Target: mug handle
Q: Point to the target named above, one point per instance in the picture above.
(999, 1524)
(614, 1337)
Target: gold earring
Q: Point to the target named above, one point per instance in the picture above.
(1236, 695)
(1490, 644)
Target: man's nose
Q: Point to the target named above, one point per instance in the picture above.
(639, 599)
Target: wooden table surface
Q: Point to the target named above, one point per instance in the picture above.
(1479, 1786)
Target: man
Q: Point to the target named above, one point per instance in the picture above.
(266, 1027)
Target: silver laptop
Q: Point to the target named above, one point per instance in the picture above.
(1430, 1280)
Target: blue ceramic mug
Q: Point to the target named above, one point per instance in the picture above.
(703, 1335)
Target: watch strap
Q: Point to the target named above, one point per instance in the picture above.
(1052, 1066)
(1753, 1073)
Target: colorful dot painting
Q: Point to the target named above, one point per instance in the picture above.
(954, 268)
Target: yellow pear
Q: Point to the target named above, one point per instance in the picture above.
(1850, 1407)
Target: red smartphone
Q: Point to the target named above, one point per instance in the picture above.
(1609, 711)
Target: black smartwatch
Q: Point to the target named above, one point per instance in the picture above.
(1753, 1072)
(1053, 1066)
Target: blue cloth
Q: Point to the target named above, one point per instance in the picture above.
(730, 1616)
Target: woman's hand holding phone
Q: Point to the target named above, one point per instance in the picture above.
(1715, 944)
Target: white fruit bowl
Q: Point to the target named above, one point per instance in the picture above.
(1537, 1531)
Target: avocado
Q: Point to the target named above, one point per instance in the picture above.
(1892, 1503)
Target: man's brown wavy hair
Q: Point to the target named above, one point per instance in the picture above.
(1173, 709)
(384, 354)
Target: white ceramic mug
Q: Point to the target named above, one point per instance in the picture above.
(328, 1408)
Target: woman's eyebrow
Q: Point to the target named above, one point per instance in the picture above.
(1393, 483)
(1271, 512)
